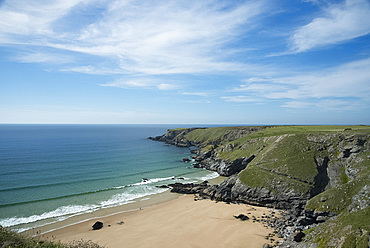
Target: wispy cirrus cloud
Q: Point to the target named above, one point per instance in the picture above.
(337, 23)
(42, 57)
(26, 22)
(337, 105)
(150, 37)
(203, 94)
(146, 83)
(240, 99)
(329, 87)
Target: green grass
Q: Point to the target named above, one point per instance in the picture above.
(281, 130)
(340, 197)
(285, 159)
(256, 178)
(337, 199)
(223, 135)
(246, 149)
(294, 156)
(289, 160)
(211, 135)
(350, 229)
(10, 239)
(343, 176)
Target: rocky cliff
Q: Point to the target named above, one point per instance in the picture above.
(313, 172)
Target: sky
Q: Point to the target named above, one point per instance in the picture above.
(185, 62)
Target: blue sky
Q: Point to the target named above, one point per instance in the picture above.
(185, 62)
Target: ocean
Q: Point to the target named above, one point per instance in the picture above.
(50, 173)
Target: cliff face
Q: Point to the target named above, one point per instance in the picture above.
(208, 139)
(314, 172)
(176, 137)
(202, 137)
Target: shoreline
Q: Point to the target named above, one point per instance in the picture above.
(180, 222)
(136, 204)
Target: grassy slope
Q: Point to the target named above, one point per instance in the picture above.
(350, 228)
(214, 135)
(291, 155)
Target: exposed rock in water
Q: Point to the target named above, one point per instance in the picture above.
(188, 188)
(162, 186)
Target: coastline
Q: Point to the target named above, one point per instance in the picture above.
(180, 222)
(132, 206)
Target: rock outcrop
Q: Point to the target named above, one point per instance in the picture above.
(233, 190)
(97, 225)
(313, 176)
(176, 137)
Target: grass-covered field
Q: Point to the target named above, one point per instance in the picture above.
(281, 130)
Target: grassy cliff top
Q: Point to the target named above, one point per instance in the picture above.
(329, 165)
(206, 136)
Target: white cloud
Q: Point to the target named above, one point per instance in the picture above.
(163, 86)
(330, 87)
(338, 23)
(151, 37)
(146, 83)
(298, 105)
(169, 37)
(239, 99)
(31, 18)
(42, 57)
(93, 70)
(195, 93)
(337, 105)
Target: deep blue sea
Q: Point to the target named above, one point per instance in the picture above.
(49, 173)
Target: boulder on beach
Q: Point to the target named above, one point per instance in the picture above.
(98, 225)
(242, 217)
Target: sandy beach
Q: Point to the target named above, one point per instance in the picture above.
(181, 222)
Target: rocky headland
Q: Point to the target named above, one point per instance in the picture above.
(319, 176)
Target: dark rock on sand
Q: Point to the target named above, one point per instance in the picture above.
(242, 217)
(98, 225)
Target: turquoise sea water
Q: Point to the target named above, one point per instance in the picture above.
(49, 173)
